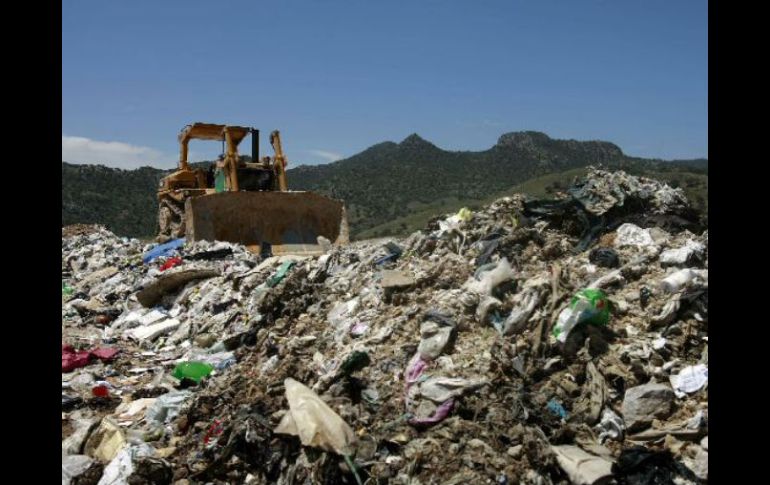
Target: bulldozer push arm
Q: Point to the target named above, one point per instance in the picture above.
(280, 160)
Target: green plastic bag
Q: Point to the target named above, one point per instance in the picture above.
(280, 274)
(587, 306)
(66, 289)
(192, 370)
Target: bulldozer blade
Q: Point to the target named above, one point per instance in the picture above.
(282, 222)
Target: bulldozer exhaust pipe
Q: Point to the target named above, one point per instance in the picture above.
(254, 146)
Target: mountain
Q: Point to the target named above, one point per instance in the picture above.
(695, 163)
(384, 183)
(122, 200)
(393, 180)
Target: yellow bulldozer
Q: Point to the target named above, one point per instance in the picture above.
(245, 202)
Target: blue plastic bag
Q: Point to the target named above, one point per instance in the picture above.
(162, 250)
(556, 408)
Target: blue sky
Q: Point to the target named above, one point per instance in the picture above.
(338, 76)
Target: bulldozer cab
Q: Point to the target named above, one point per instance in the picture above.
(230, 170)
(245, 202)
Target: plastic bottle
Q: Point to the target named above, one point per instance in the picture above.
(192, 370)
(569, 318)
(589, 305)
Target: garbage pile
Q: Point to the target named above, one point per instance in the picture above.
(534, 341)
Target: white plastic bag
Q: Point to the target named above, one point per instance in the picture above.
(690, 379)
(489, 280)
(314, 421)
(582, 468)
(678, 280)
(73, 466)
(632, 235)
(569, 318)
(680, 256)
(166, 407)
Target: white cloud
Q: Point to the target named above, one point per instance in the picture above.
(327, 156)
(78, 149)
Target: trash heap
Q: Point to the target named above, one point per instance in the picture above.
(533, 341)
